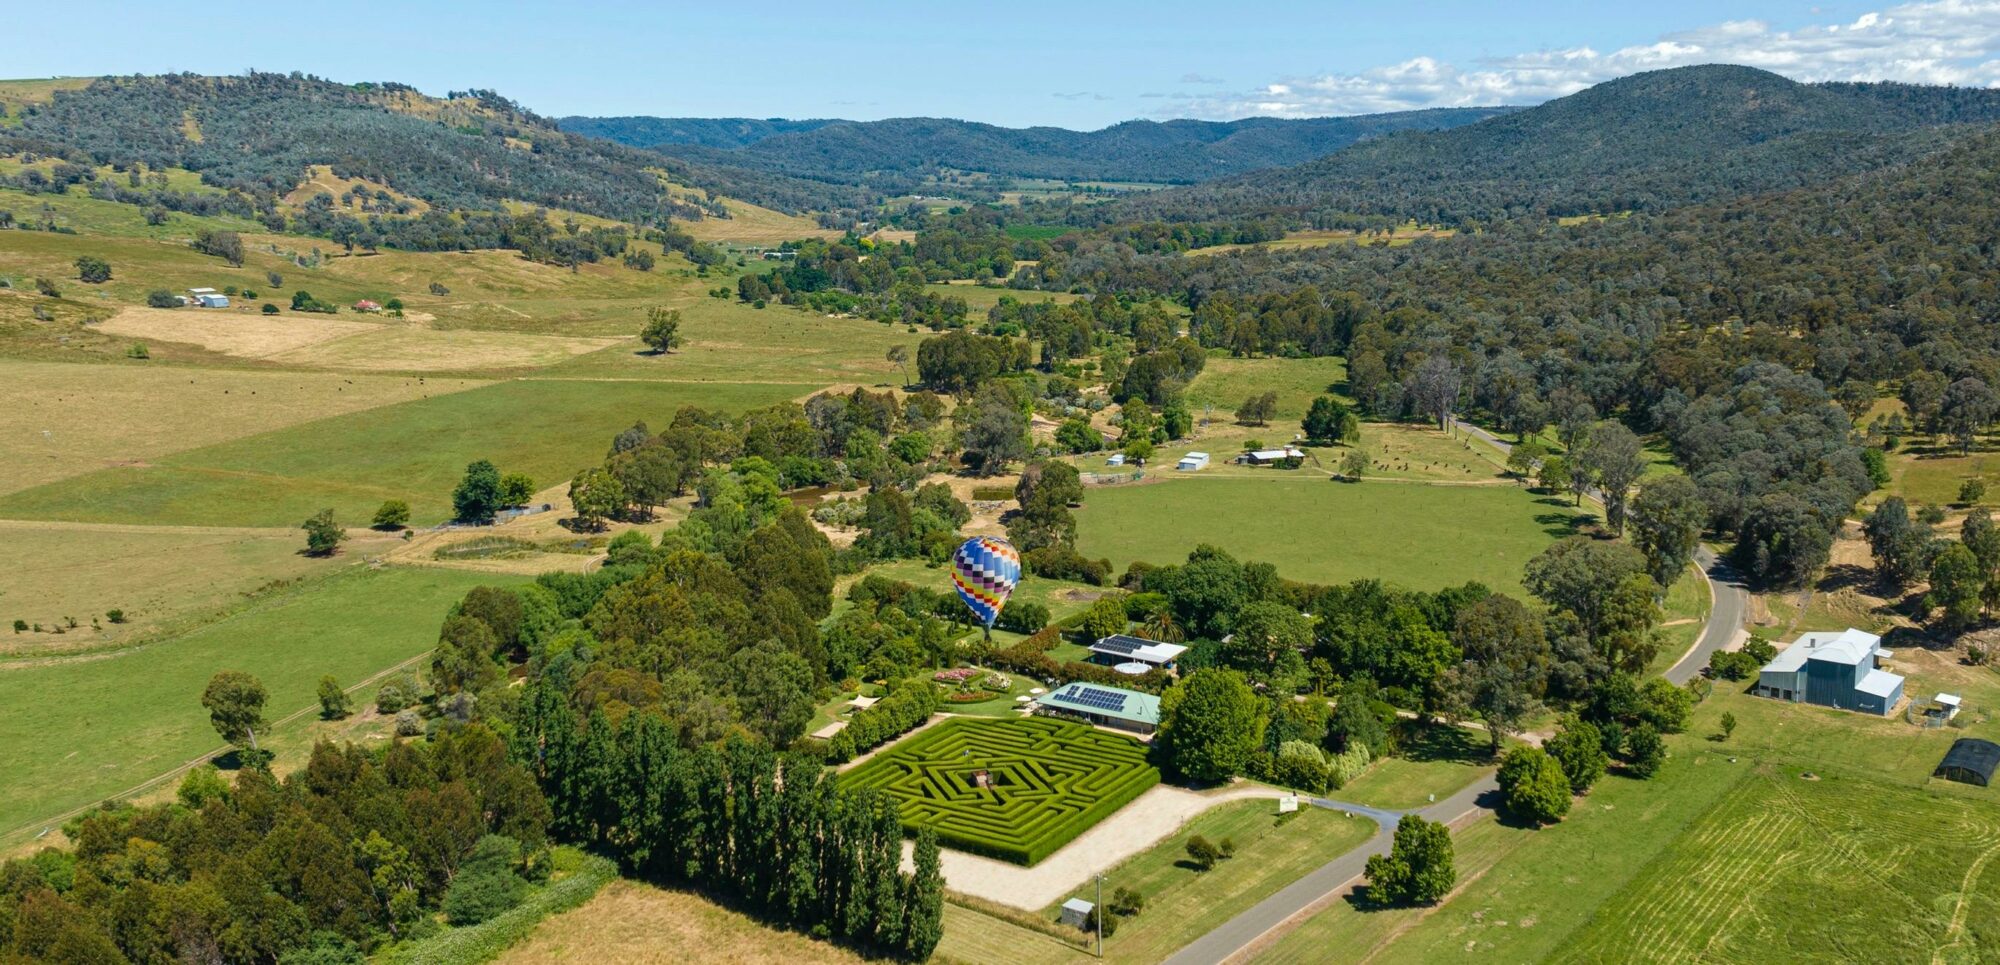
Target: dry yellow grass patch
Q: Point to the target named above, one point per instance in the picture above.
(750, 224)
(411, 348)
(320, 179)
(630, 922)
(66, 419)
(233, 331)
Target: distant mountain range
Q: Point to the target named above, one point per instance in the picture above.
(1645, 142)
(857, 152)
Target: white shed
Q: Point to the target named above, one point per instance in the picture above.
(1076, 911)
(1193, 462)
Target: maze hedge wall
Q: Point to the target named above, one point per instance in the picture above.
(1051, 780)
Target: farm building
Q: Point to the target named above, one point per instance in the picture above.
(366, 305)
(206, 298)
(1265, 457)
(1833, 670)
(1135, 655)
(1970, 761)
(1117, 459)
(1193, 462)
(1104, 706)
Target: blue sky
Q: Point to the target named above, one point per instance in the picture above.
(1076, 64)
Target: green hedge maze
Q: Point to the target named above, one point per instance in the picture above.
(1045, 782)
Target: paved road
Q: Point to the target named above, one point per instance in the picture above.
(1725, 618)
(1330, 880)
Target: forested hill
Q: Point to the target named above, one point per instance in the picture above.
(716, 132)
(258, 133)
(1645, 142)
(1181, 151)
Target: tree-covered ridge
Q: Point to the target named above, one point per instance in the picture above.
(1178, 151)
(1646, 142)
(258, 134)
(716, 132)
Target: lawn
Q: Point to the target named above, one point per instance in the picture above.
(416, 451)
(84, 730)
(1050, 781)
(1418, 536)
(1432, 763)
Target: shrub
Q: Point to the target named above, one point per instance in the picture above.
(1300, 765)
(92, 269)
(1126, 902)
(20, 626)
(1732, 665)
(1645, 751)
(408, 723)
(269, 309)
(1578, 748)
(138, 351)
(1203, 853)
(115, 616)
(333, 701)
(476, 897)
(47, 286)
(162, 298)
(394, 696)
(1348, 764)
(1418, 868)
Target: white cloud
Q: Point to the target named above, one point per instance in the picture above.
(1940, 42)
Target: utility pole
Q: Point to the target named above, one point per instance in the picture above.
(1100, 914)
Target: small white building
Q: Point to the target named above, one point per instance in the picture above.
(1117, 459)
(1193, 462)
(206, 298)
(1076, 911)
(1949, 704)
(1120, 649)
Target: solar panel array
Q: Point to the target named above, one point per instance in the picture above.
(1120, 644)
(1093, 697)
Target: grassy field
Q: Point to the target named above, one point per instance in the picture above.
(1433, 763)
(633, 922)
(1181, 903)
(1050, 780)
(70, 419)
(1888, 874)
(1421, 537)
(159, 577)
(84, 730)
(1714, 858)
(413, 450)
(1225, 382)
(1395, 237)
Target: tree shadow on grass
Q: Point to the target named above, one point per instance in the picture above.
(1433, 743)
(1560, 525)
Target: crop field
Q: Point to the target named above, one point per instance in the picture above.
(78, 731)
(416, 451)
(1833, 870)
(633, 922)
(1419, 536)
(1051, 780)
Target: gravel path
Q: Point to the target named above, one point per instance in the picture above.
(1150, 818)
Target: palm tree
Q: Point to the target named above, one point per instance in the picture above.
(1161, 626)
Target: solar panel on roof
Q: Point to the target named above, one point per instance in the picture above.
(1119, 645)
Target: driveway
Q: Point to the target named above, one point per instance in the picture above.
(1241, 935)
(1725, 617)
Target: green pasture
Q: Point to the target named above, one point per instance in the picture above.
(1316, 530)
(1051, 780)
(1225, 382)
(89, 729)
(1432, 763)
(415, 450)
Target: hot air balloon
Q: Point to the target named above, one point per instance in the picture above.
(985, 569)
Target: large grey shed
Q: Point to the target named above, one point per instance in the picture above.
(1970, 761)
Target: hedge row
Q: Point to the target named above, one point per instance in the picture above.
(1094, 774)
(904, 709)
